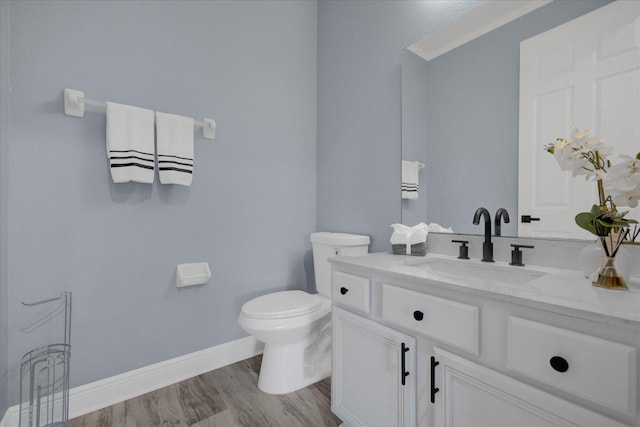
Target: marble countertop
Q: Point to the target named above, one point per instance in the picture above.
(552, 289)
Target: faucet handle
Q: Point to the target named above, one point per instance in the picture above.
(464, 249)
(516, 254)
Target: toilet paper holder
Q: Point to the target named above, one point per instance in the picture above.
(197, 273)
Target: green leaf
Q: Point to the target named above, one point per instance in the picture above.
(619, 223)
(595, 210)
(586, 220)
(603, 223)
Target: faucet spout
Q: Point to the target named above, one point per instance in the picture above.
(482, 212)
(487, 246)
(501, 214)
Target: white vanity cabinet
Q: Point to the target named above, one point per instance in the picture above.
(475, 359)
(473, 396)
(373, 380)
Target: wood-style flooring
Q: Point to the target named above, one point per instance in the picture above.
(226, 397)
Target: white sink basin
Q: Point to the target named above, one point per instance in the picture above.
(467, 270)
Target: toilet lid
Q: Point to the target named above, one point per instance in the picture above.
(280, 305)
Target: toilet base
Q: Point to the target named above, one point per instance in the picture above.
(287, 368)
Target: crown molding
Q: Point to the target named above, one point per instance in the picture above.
(486, 17)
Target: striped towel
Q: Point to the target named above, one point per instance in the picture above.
(130, 143)
(175, 148)
(410, 179)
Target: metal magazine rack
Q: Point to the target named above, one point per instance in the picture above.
(44, 377)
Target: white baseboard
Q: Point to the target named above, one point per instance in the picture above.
(109, 391)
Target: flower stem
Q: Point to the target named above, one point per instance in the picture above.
(601, 196)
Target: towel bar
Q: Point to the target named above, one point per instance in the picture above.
(74, 102)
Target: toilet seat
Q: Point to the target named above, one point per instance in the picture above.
(281, 305)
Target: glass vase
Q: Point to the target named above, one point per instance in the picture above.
(608, 276)
(590, 259)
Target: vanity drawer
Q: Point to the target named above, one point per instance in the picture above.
(448, 321)
(598, 370)
(351, 291)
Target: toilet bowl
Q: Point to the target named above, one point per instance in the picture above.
(295, 326)
(295, 344)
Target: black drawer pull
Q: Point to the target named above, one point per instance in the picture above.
(560, 364)
(344, 290)
(434, 389)
(418, 315)
(404, 373)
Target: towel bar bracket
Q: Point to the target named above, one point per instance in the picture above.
(74, 103)
(209, 128)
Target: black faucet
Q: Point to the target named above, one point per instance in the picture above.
(501, 213)
(487, 246)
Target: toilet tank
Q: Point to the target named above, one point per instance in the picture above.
(328, 245)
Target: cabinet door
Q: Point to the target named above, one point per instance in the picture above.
(472, 395)
(373, 379)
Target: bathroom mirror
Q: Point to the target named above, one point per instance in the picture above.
(460, 118)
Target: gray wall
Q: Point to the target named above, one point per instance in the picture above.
(250, 65)
(4, 135)
(472, 120)
(359, 117)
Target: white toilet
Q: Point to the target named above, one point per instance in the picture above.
(295, 326)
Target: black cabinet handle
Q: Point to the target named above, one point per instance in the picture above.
(343, 290)
(404, 373)
(558, 363)
(418, 315)
(434, 389)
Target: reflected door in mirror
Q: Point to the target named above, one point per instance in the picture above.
(585, 73)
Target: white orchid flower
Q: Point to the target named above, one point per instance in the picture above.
(578, 155)
(629, 198)
(563, 151)
(625, 175)
(623, 181)
(579, 134)
(586, 155)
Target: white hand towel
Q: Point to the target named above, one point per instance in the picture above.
(410, 179)
(437, 228)
(175, 148)
(130, 143)
(400, 234)
(404, 235)
(417, 235)
(409, 236)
